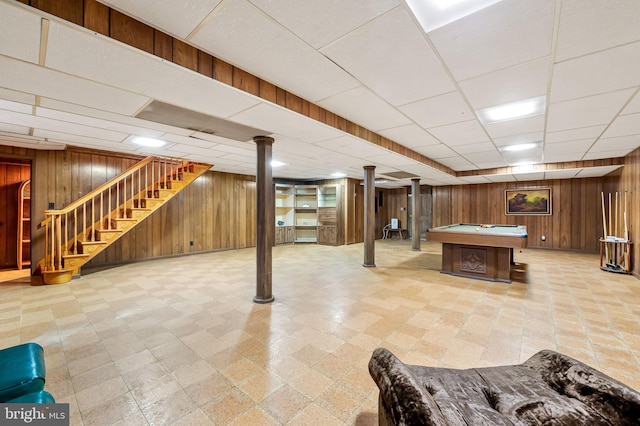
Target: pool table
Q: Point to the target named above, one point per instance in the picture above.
(478, 251)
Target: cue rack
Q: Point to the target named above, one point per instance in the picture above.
(615, 245)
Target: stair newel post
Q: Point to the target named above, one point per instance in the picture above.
(58, 244)
(75, 231)
(66, 234)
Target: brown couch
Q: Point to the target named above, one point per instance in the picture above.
(547, 389)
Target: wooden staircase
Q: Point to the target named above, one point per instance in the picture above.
(78, 232)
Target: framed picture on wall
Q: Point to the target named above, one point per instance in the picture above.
(528, 201)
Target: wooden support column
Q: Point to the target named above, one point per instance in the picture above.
(416, 213)
(265, 220)
(369, 216)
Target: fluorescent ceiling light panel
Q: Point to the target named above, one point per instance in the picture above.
(276, 163)
(338, 174)
(433, 14)
(513, 110)
(149, 142)
(521, 147)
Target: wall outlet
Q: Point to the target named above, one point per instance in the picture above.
(543, 238)
(190, 243)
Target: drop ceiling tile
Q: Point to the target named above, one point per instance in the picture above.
(12, 128)
(590, 26)
(409, 135)
(600, 72)
(436, 151)
(460, 133)
(174, 17)
(275, 119)
(561, 174)
(505, 34)
(456, 163)
(22, 27)
(522, 81)
(586, 112)
(439, 110)
(485, 157)
(351, 145)
(574, 134)
(31, 143)
(519, 139)
(629, 143)
(78, 140)
(633, 106)
(397, 42)
(475, 148)
(15, 96)
(270, 51)
(501, 178)
(330, 19)
(596, 171)
(523, 177)
(611, 153)
(389, 159)
(363, 107)
(475, 179)
(79, 52)
(36, 80)
(491, 164)
(16, 107)
(522, 126)
(578, 147)
(624, 125)
(59, 126)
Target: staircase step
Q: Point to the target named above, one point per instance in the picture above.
(74, 261)
(88, 247)
(124, 223)
(107, 235)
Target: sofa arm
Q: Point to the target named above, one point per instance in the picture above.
(610, 398)
(402, 395)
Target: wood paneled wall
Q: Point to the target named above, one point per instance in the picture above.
(12, 173)
(630, 183)
(575, 222)
(215, 212)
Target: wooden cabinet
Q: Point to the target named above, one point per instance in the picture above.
(24, 224)
(306, 214)
(285, 213)
(329, 213)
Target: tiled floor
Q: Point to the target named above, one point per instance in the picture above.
(179, 341)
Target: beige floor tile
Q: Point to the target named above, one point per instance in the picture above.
(179, 341)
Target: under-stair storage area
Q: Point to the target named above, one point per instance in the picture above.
(23, 247)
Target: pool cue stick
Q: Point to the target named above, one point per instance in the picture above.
(604, 226)
(610, 228)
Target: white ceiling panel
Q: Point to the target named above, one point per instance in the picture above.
(22, 28)
(410, 136)
(71, 139)
(16, 107)
(616, 144)
(271, 51)
(593, 25)
(30, 142)
(523, 81)
(633, 106)
(519, 139)
(79, 52)
(13, 128)
(505, 34)
(393, 160)
(475, 179)
(333, 18)
(597, 171)
(624, 125)
(574, 134)
(436, 151)
(485, 157)
(561, 174)
(28, 120)
(586, 112)
(611, 153)
(475, 148)
(15, 96)
(600, 72)
(406, 56)
(351, 145)
(439, 110)
(33, 79)
(522, 126)
(275, 119)
(491, 164)
(523, 177)
(365, 108)
(578, 147)
(460, 133)
(501, 178)
(178, 18)
(457, 163)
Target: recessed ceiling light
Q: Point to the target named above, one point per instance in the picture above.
(276, 163)
(433, 14)
(338, 174)
(513, 110)
(521, 147)
(150, 142)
